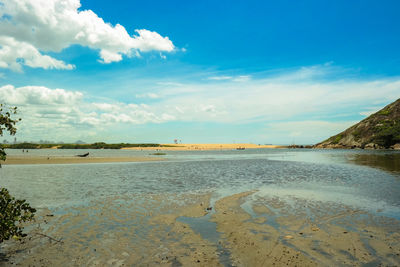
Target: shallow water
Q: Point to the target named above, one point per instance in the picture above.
(105, 200)
(323, 175)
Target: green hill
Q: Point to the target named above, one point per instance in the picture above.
(380, 130)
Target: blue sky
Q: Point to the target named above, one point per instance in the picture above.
(210, 71)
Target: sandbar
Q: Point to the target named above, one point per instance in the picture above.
(17, 160)
(191, 147)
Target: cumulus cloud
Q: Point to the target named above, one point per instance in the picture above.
(50, 112)
(129, 113)
(105, 107)
(29, 28)
(14, 53)
(37, 95)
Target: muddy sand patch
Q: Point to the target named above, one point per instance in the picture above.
(183, 230)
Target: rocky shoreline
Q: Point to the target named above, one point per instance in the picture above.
(356, 146)
(370, 146)
(381, 130)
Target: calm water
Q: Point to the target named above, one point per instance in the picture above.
(368, 180)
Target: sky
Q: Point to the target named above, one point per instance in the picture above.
(264, 72)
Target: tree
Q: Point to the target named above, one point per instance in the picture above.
(13, 212)
(7, 124)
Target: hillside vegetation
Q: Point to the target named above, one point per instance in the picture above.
(99, 145)
(380, 130)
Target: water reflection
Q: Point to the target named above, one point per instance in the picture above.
(388, 162)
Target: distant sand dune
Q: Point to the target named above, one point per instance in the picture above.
(204, 147)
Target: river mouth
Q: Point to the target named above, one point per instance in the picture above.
(225, 212)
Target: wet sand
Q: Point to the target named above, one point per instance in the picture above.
(12, 160)
(191, 147)
(243, 229)
(315, 235)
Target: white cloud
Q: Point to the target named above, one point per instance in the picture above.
(301, 132)
(220, 78)
(278, 107)
(366, 113)
(37, 95)
(169, 84)
(12, 52)
(279, 97)
(369, 111)
(49, 113)
(148, 95)
(130, 113)
(240, 78)
(208, 108)
(105, 106)
(109, 57)
(29, 28)
(302, 74)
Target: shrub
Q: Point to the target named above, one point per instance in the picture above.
(387, 135)
(384, 112)
(336, 139)
(13, 212)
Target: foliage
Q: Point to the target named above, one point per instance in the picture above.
(384, 112)
(7, 124)
(12, 213)
(98, 145)
(22, 146)
(387, 134)
(336, 139)
(101, 145)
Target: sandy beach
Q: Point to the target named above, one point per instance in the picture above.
(179, 147)
(14, 160)
(33, 159)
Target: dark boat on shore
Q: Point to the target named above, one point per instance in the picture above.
(83, 155)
